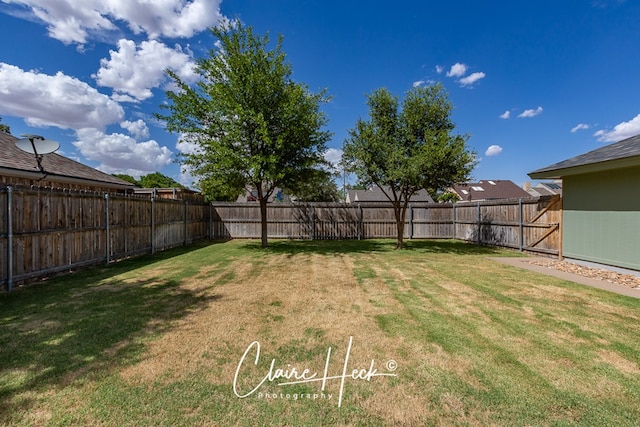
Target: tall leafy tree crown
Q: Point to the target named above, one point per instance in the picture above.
(250, 125)
(405, 150)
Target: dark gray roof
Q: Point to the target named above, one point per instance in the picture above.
(19, 162)
(490, 190)
(620, 154)
(375, 194)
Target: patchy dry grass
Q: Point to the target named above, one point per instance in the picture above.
(158, 341)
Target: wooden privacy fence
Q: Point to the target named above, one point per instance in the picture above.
(527, 224)
(45, 231)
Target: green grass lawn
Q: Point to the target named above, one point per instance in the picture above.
(438, 334)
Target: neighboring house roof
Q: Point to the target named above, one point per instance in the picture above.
(625, 153)
(544, 188)
(489, 190)
(17, 163)
(375, 194)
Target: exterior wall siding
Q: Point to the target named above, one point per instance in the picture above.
(601, 220)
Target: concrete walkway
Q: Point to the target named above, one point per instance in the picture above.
(596, 283)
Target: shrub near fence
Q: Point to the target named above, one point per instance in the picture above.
(45, 231)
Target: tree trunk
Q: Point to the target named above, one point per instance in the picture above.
(400, 211)
(263, 217)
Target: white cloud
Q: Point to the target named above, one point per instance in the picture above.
(123, 98)
(333, 156)
(457, 70)
(119, 153)
(187, 179)
(72, 21)
(138, 128)
(439, 69)
(493, 150)
(60, 100)
(187, 145)
(471, 79)
(134, 70)
(418, 83)
(506, 115)
(580, 126)
(530, 113)
(620, 131)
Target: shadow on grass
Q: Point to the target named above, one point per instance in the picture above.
(100, 270)
(456, 247)
(84, 325)
(328, 247)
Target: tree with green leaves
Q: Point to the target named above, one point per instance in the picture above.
(446, 197)
(217, 190)
(4, 127)
(127, 178)
(152, 180)
(404, 150)
(252, 126)
(318, 185)
(158, 180)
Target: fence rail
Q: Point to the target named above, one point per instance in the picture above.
(45, 231)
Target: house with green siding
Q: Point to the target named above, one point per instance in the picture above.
(601, 203)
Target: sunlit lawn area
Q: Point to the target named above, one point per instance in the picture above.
(438, 334)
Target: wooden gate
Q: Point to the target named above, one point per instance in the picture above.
(543, 231)
(526, 224)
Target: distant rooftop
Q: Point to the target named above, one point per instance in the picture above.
(544, 188)
(375, 194)
(489, 190)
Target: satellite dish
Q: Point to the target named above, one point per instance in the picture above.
(36, 144)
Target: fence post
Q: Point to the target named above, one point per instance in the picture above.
(410, 222)
(107, 230)
(184, 242)
(210, 221)
(126, 224)
(312, 222)
(520, 224)
(360, 225)
(153, 231)
(9, 238)
(453, 207)
(479, 225)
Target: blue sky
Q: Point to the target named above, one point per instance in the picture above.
(532, 83)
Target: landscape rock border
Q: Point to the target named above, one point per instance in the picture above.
(628, 280)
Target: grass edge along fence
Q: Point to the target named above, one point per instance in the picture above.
(45, 231)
